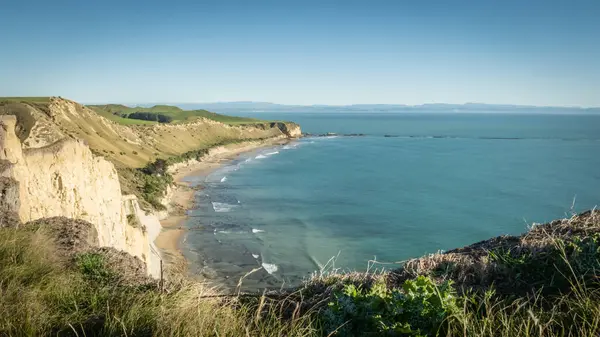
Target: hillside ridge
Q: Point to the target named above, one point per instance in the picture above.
(43, 123)
(61, 159)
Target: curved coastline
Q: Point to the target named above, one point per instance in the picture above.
(181, 198)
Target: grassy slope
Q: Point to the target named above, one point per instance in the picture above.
(44, 294)
(176, 113)
(123, 121)
(130, 144)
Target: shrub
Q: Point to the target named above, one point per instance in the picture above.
(158, 167)
(93, 267)
(151, 116)
(419, 308)
(154, 188)
(133, 221)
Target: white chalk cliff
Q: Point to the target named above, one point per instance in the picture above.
(50, 165)
(66, 179)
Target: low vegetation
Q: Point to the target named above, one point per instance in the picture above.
(126, 121)
(45, 292)
(150, 182)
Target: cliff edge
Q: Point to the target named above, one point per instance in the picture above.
(60, 159)
(66, 179)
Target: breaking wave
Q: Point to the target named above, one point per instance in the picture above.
(222, 207)
(254, 230)
(260, 156)
(269, 267)
(224, 179)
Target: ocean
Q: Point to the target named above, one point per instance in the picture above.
(414, 184)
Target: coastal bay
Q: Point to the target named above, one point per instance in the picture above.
(182, 196)
(291, 209)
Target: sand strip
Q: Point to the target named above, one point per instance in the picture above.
(182, 199)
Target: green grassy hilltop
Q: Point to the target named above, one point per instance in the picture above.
(132, 144)
(130, 115)
(121, 114)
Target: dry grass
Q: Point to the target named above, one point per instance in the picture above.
(128, 146)
(498, 260)
(42, 294)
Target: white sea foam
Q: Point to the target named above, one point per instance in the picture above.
(254, 230)
(247, 160)
(271, 153)
(270, 268)
(222, 207)
(260, 156)
(224, 179)
(256, 256)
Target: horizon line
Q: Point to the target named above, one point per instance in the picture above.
(354, 104)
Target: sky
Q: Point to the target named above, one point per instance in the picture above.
(303, 52)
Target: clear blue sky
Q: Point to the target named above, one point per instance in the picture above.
(303, 52)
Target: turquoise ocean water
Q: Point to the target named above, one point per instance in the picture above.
(442, 181)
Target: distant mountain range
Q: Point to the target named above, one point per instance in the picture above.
(230, 107)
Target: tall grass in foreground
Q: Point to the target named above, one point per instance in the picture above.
(574, 312)
(47, 292)
(42, 295)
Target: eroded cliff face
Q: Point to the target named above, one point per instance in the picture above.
(291, 130)
(66, 179)
(52, 164)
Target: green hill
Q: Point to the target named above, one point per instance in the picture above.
(122, 114)
(131, 144)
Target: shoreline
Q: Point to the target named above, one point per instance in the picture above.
(182, 197)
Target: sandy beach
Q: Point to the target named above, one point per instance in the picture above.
(182, 197)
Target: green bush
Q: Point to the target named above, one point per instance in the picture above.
(93, 267)
(150, 116)
(154, 187)
(418, 309)
(150, 182)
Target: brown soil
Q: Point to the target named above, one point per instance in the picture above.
(75, 237)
